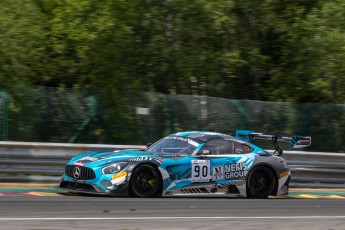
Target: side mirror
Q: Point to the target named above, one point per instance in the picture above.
(148, 145)
(204, 152)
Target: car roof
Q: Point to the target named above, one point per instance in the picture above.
(204, 136)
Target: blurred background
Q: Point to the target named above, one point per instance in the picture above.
(133, 71)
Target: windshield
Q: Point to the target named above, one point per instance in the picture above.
(172, 146)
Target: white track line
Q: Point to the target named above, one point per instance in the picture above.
(170, 217)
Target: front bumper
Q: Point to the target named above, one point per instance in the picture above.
(77, 187)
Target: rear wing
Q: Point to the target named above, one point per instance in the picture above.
(295, 141)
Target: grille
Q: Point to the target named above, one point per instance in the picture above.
(77, 186)
(80, 172)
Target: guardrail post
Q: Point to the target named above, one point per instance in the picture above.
(87, 121)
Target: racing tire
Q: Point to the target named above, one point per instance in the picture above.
(145, 181)
(260, 182)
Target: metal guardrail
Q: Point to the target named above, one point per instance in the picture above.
(44, 163)
(316, 169)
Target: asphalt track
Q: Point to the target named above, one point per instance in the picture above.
(48, 210)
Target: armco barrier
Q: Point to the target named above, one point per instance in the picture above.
(315, 169)
(44, 162)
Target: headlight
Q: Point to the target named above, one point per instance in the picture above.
(114, 168)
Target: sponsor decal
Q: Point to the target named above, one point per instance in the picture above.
(218, 172)
(284, 174)
(79, 163)
(189, 141)
(214, 134)
(229, 171)
(138, 159)
(232, 171)
(119, 178)
(119, 175)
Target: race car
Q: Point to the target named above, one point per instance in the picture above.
(196, 163)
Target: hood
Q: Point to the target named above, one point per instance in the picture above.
(96, 159)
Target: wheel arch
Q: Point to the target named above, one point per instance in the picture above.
(154, 165)
(276, 184)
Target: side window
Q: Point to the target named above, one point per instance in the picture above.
(241, 148)
(219, 146)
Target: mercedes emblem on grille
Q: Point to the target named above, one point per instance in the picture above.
(76, 172)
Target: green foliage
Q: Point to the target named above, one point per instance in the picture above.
(311, 69)
(240, 49)
(267, 50)
(22, 42)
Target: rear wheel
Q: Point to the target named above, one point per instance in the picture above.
(260, 182)
(145, 181)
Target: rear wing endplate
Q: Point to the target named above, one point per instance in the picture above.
(295, 141)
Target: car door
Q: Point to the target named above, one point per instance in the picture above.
(220, 160)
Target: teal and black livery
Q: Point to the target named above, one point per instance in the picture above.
(194, 163)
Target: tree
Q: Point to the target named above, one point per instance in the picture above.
(22, 41)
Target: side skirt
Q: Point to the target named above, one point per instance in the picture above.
(233, 189)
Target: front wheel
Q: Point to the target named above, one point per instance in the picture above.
(260, 182)
(145, 181)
